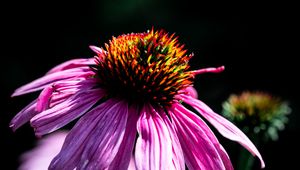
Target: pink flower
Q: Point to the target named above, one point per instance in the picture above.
(129, 103)
(47, 148)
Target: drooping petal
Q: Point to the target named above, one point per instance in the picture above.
(199, 151)
(177, 153)
(83, 133)
(40, 157)
(42, 82)
(104, 143)
(24, 116)
(74, 63)
(64, 112)
(153, 147)
(125, 153)
(192, 117)
(225, 127)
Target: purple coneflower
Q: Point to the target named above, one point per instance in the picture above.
(128, 100)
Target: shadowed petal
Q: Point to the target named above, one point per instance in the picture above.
(23, 116)
(153, 147)
(124, 155)
(74, 63)
(80, 135)
(225, 127)
(198, 149)
(64, 112)
(105, 142)
(42, 82)
(192, 117)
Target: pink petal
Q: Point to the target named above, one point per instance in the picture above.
(100, 52)
(24, 116)
(199, 151)
(190, 91)
(192, 117)
(177, 153)
(225, 127)
(153, 147)
(64, 112)
(38, 84)
(82, 135)
(74, 63)
(124, 155)
(44, 99)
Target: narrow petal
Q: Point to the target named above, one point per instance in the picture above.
(225, 127)
(153, 147)
(199, 151)
(192, 117)
(44, 99)
(74, 63)
(177, 153)
(78, 137)
(24, 116)
(124, 155)
(64, 112)
(42, 82)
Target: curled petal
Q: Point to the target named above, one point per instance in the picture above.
(63, 113)
(44, 99)
(225, 127)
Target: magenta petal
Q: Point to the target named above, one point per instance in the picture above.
(124, 155)
(83, 135)
(177, 153)
(24, 116)
(199, 151)
(153, 147)
(192, 117)
(42, 82)
(74, 63)
(225, 127)
(44, 99)
(63, 113)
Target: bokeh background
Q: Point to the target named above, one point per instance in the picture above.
(255, 42)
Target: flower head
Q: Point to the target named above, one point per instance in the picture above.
(128, 99)
(257, 112)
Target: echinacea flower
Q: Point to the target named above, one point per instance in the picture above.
(257, 112)
(129, 102)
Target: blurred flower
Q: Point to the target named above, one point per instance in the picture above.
(46, 149)
(258, 113)
(129, 101)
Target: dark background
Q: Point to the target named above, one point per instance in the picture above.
(255, 42)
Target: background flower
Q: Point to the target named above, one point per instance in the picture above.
(260, 115)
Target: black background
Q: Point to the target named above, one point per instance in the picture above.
(255, 42)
